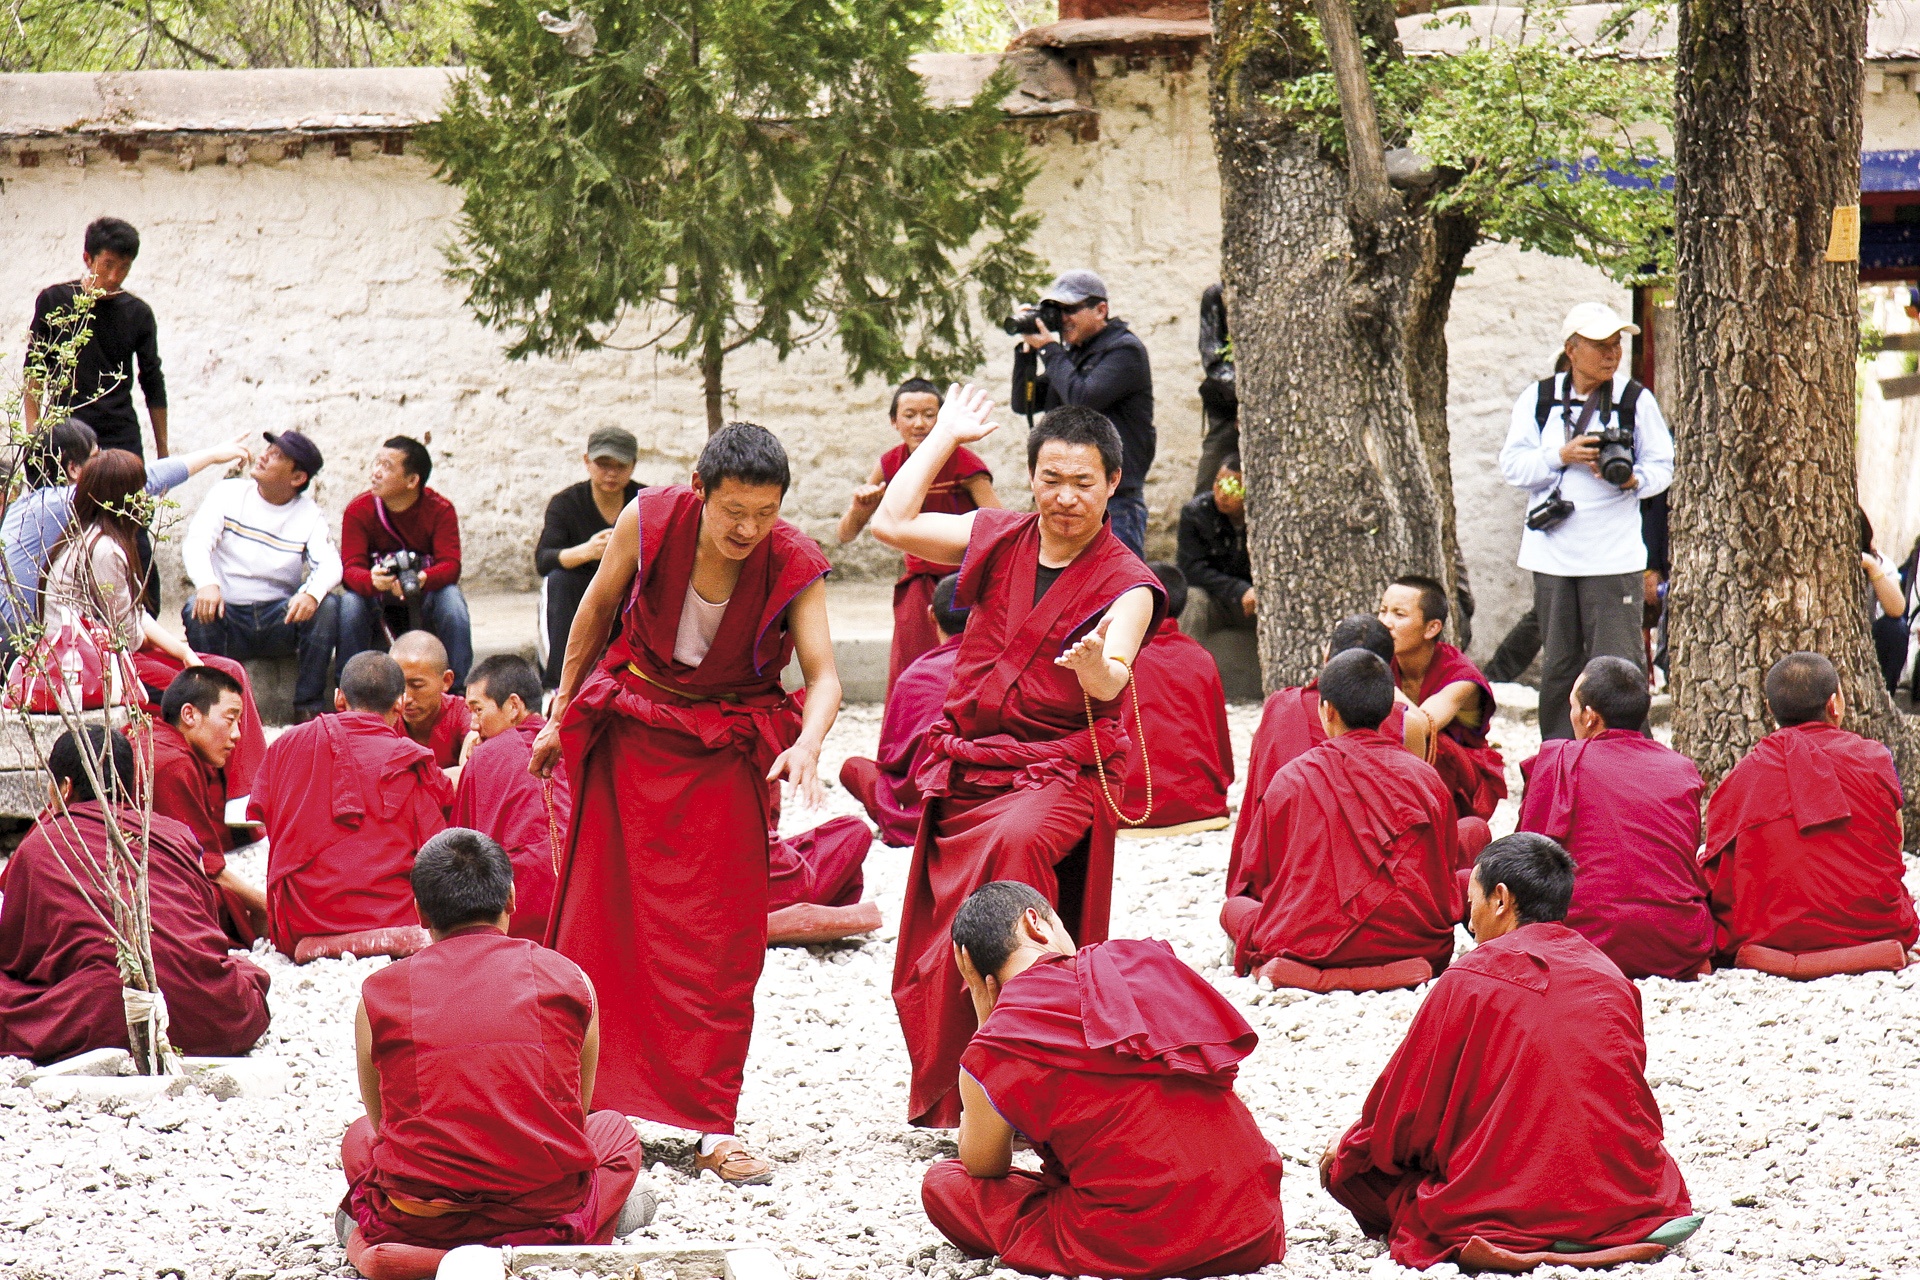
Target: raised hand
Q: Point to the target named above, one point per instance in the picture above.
(967, 413)
(1088, 656)
(867, 497)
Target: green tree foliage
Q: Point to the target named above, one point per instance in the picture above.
(133, 35)
(987, 26)
(728, 172)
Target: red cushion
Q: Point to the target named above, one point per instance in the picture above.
(398, 942)
(1479, 1255)
(1410, 972)
(392, 1261)
(1885, 956)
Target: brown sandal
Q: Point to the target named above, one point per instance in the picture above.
(734, 1164)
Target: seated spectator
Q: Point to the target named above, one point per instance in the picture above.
(398, 513)
(1449, 689)
(1514, 1124)
(1213, 555)
(1118, 1062)
(192, 743)
(347, 801)
(578, 527)
(477, 1059)
(1886, 605)
(263, 567)
(60, 980)
(1182, 733)
(1628, 810)
(1804, 836)
(432, 715)
(1358, 860)
(885, 787)
(498, 796)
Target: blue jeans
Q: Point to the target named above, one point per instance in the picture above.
(1129, 511)
(262, 631)
(366, 620)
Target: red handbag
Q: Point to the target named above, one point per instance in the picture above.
(68, 663)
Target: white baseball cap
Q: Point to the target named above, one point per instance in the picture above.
(1596, 321)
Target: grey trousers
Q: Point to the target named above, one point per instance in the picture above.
(1582, 619)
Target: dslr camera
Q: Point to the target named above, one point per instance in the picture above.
(406, 568)
(1030, 317)
(1616, 453)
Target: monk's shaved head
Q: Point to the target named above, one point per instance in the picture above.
(1617, 689)
(948, 616)
(112, 756)
(420, 646)
(1358, 685)
(1535, 869)
(1798, 687)
(1176, 584)
(461, 877)
(1361, 631)
(372, 682)
(987, 925)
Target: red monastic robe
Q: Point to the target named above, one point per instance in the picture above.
(1474, 770)
(1118, 1065)
(448, 732)
(1184, 712)
(1803, 845)
(59, 983)
(347, 802)
(1628, 810)
(1517, 1109)
(885, 786)
(1009, 779)
(662, 894)
(824, 866)
(477, 1041)
(194, 793)
(913, 631)
(1357, 862)
(157, 670)
(528, 816)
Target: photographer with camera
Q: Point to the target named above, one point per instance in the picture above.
(400, 560)
(1587, 445)
(1100, 365)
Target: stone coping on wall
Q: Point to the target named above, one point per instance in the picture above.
(1893, 30)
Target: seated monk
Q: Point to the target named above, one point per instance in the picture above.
(434, 716)
(477, 1059)
(1182, 735)
(885, 786)
(498, 795)
(192, 744)
(1515, 1117)
(1456, 698)
(60, 983)
(1117, 1063)
(1290, 726)
(1356, 863)
(347, 800)
(1804, 836)
(1628, 810)
(814, 883)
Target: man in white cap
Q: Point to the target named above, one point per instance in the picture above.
(1587, 445)
(1102, 365)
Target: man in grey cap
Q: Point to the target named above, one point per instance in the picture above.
(1102, 365)
(579, 523)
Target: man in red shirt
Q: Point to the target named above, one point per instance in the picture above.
(398, 513)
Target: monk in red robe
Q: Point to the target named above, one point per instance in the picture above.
(432, 716)
(59, 981)
(500, 798)
(1449, 689)
(191, 746)
(347, 800)
(1023, 774)
(885, 787)
(1117, 1063)
(158, 669)
(1804, 836)
(671, 734)
(1183, 710)
(964, 484)
(1357, 866)
(1515, 1119)
(477, 1062)
(1628, 810)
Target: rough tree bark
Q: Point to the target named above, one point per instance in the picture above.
(1765, 524)
(1339, 347)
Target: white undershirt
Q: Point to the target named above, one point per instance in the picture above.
(699, 624)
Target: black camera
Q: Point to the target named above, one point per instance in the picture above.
(406, 568)
(1616, 453)
(1029, 318)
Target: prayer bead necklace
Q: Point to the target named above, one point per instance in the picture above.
(1099, 757)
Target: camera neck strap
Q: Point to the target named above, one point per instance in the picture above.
(1601, 395)
(380, 509)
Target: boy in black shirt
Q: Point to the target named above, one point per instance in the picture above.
(579, 523)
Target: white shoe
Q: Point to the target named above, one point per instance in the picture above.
(638, 1211)
(472, 1262)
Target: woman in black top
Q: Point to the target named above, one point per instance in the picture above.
(579, 522)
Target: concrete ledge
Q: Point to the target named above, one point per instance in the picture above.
(96, 1076)
(691, 1260)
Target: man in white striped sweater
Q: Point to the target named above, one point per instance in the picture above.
(259, 554)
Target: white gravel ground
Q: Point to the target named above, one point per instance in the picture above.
(1789, 1107)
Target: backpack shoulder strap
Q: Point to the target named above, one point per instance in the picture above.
(1543, 402)
(1629, 398)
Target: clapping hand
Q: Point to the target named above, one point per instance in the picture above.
(967, 413)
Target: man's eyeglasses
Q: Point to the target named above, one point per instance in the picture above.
(1080, 306)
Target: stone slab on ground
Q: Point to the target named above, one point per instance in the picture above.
(687, 1260)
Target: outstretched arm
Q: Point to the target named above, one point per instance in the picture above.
(1103, 658)
(861, 507)
(1446, 706)
(899, 522)
(592, 624)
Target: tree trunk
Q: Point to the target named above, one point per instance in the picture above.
(1338, 326)
(712, 361)
(1765, 515)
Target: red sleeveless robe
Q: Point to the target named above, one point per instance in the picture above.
(1184, 712)
(1474, 770)
(527, 815)
(913, 632)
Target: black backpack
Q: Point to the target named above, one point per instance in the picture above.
(1546, 399)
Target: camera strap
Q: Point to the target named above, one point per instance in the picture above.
(380, 509)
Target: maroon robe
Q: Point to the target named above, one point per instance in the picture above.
(1009, 779)
(157, 670)
(448, 732)
(194, 794)
(347, 802)
(477, 1041)
(913, 631)
(1356, 862)
(1183, 710)
(662, 894)
(823, 866)
(1517, 1110)
(1803, 845)
(885, 787)
(1473, 769)
(1118, 1065)
(499, 797)
(59, 983)
(1628, 810)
